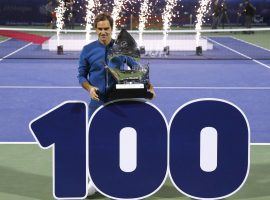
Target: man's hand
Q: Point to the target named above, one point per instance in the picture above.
(93, 91)
(151, 90)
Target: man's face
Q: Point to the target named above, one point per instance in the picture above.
(104, 31)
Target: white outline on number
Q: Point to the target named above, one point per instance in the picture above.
(235, 106)
(168, 126)
(165, 120)
(52, 146)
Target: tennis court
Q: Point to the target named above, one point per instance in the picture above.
(33, 81)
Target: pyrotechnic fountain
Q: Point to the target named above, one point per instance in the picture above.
(60, 10)
(90, 16)
(202, 10)
(167, 18)
(151, 42)
(118, 4)
(144, 13)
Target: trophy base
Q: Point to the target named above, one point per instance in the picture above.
(199, 50)
(129, 91)
(60, 50)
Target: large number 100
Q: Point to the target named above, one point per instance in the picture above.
(131, 148)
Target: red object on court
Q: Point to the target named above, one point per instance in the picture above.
(37, 39)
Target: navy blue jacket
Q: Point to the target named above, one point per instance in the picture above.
(93, 58)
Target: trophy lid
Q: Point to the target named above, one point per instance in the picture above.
(124, 45)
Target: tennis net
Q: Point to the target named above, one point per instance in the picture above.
(227, 44)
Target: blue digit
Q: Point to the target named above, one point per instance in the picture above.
(128, 149)
(64, 127)
(209, 149)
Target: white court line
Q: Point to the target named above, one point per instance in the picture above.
(214, 88)
(256, 61)
(16, 51)
(39, 87)
(5, 40)
(250, 43)
(159, 88)
(18, 143)
(252, 143)
(259, 144)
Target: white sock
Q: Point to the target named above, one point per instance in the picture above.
(91, 188)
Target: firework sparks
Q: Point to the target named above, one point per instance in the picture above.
(60, 10)
(202, 10)
(144, 13)
(90, 16)
(118, 4)
(167, 18)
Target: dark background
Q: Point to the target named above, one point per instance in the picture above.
(33, 12)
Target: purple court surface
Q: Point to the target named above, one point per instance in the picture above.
(33, 81)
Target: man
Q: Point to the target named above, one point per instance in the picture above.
(216, 13)
(91, 71)
(93, 58)
(70, 14)
(239, 14)
(249, 13)
(224, 14)
(50, 13)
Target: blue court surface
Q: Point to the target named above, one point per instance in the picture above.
(30, 87)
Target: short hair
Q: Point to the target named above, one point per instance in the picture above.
(103, 17)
